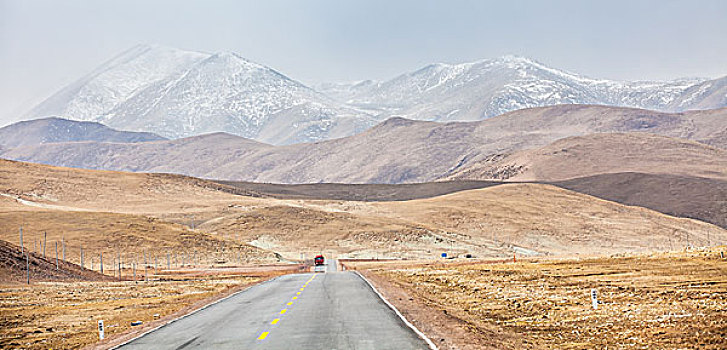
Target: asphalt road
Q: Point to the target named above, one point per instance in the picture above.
(333, 310)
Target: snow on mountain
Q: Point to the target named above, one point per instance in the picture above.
(178, 93)
(486, 88)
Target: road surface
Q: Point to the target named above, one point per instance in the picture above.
(333, 310)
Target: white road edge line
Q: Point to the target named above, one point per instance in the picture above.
(406, 322)
(189, 314)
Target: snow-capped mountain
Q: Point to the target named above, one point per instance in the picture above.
(176, 93)
(483, 89)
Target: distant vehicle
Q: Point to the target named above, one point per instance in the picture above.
(319, 260)
(320, 264)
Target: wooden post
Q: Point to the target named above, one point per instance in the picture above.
(27, 265)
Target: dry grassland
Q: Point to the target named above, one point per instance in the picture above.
(64, 315)
(658, 301)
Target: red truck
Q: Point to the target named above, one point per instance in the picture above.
(319, 260)
(320, 264)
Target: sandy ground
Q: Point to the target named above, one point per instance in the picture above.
(664, 301)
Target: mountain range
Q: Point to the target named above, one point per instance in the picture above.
(176, 93)
(404, 151)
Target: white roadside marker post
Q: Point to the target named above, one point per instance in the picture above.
(100, 330)
(594, 299)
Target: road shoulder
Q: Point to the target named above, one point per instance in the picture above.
(445, 329)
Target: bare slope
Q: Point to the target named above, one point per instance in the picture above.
(691, 197)
(603, 153)
(13, 267)
(396, 151)
(133, 213)
(55, 130)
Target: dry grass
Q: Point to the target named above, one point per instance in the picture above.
(64, 315)
(664, 301)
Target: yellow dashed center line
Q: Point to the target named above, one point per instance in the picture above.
(283, 311)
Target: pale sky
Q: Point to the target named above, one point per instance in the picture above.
(45, 45)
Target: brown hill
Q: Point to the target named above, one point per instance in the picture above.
(396, 151)
(13, 267)
(690, 197)
(603, 153)
(135, 213)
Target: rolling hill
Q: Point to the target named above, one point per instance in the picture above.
(57, 130)
(128, 213)
(594, 154)
(395, 151)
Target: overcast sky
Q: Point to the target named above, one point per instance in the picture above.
(45, 45)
